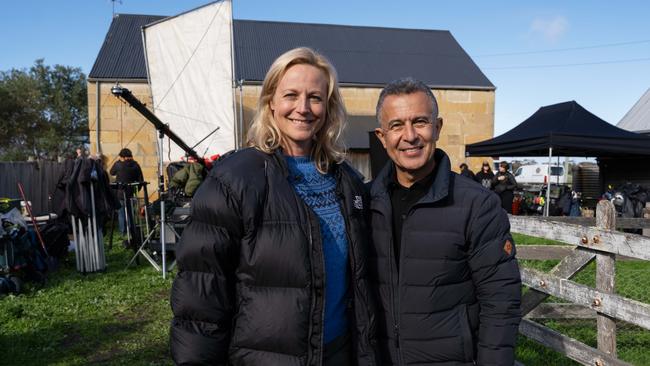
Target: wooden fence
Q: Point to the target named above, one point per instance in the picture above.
(602, 244)
(38, 178)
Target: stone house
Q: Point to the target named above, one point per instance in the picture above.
(366, 58)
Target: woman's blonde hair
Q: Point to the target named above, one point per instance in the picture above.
(264, 133)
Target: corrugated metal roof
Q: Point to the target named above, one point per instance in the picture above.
(122, 54)
(637, 119)
(361, 55)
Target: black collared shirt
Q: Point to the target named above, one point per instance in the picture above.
(402, 199)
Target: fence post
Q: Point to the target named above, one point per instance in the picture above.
(646, 215)
(605, 278)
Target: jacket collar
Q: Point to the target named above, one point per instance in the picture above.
(439, 187)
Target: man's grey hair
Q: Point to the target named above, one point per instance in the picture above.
(406, 86)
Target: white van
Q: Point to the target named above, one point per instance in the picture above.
(536, 174)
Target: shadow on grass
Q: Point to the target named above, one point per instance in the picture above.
(113, 341)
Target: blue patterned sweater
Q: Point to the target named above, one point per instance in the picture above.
(318, 191)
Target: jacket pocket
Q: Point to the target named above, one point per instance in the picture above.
(466, 333)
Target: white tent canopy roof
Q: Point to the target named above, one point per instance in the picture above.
(637, 119)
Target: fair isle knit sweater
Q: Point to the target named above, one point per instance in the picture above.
(318, 191)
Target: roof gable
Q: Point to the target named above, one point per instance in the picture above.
(361, 55)
(122, 53)
(638, 117)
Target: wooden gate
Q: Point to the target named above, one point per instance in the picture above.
(602, 244)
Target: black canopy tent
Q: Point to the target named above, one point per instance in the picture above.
(569, 130)
(563, 129)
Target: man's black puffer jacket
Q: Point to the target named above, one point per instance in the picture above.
(456, 298)
(250, 285)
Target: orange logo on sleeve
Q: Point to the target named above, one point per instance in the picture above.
(508, 247)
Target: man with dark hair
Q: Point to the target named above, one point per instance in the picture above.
(126, 170)
(443, 260)
(466, 172)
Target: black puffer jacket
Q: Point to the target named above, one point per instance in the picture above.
(250, 285)
(506, 183)
(456, 298)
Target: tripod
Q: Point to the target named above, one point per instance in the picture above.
(160, 225)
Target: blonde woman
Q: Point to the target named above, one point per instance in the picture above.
(272, 265)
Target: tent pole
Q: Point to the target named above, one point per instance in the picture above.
(547, 206)
(557, 180)
(241, 140)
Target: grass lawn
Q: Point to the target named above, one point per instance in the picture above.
(119, 317)
(521, 239)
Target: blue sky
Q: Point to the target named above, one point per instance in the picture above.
(604, 46)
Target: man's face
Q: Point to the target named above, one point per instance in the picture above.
(409, 131)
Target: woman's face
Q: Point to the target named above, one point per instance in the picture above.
(502, 169)
(486, 168)
(299, 107)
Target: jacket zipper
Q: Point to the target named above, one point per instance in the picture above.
(310, 353)
(397, 303)
(396, 307)
(352, 259)
(322, 315)
(394, 301)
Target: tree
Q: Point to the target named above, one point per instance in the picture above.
(43, 112)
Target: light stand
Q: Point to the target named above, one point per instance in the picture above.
(163, 130)
(163, 220)
(161, 198)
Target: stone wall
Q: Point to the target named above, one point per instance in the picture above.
(122, 126)
(468, 117)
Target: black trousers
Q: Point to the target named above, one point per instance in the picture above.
(506, 200)
(338, 352)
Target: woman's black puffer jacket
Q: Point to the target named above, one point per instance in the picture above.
(250, 286)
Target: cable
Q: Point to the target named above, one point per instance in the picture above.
(563, 49)
(192, 55)
(566, 65)
(183, 116)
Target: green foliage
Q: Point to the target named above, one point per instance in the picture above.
(43, 112)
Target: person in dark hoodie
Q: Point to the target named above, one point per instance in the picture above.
(485, 175)
(126, 170)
